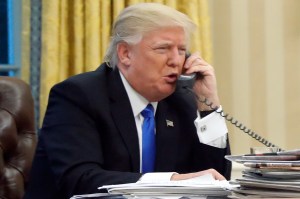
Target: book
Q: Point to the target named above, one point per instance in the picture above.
(271, 157)
(263, 159)
(241, 192)
(273, 174)
(278, 165)
(268, 175)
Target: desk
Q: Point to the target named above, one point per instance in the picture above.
(121, 197)
(208, 197)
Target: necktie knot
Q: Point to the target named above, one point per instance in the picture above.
(148, 112)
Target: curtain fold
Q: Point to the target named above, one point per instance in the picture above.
(75, 35)
(92, 30)
(25, 34)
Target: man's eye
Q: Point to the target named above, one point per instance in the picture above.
(182, 51)
(161, 49)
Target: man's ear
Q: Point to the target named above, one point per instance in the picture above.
(124, 53)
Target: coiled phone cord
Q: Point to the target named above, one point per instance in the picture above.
(233, 121)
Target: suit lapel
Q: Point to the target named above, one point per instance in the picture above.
(167, 135)
(124, 118)
(167, 127)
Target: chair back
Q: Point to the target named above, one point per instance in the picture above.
(18, 138)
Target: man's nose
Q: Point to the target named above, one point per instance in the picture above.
(174, 58)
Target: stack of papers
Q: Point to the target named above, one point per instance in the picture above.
(200, 186)
(98, 196)
(269, 175)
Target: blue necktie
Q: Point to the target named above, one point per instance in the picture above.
(148, 140)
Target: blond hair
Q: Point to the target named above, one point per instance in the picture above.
(136, 20)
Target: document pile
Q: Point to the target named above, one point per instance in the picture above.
(200, 186)
(268, 175)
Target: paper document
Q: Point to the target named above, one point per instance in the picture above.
(268, 174)
(99, 195)
(204, 185)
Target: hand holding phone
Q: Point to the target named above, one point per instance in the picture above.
(187, 79)
(201, 78)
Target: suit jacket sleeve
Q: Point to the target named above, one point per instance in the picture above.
(202, 156)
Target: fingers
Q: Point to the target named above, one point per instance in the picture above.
(216, 175)
(195, 63)
(206, 82)
(213, 172)
(195, 59)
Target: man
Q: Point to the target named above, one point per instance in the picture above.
(92, 133)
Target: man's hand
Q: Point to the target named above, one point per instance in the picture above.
(186, 176)
(206, 83)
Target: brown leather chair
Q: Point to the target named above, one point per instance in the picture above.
(17, 136)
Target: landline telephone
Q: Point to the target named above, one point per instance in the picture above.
(188, 82)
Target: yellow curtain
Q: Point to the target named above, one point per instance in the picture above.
(25, 34)
(75, 35)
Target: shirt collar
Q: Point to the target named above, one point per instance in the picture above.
(138, 102)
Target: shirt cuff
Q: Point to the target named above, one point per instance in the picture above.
(219, 142)
(212, 129)
(156, 177)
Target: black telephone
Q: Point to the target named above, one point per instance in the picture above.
(187, 82)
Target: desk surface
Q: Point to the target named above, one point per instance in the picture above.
(122, 197)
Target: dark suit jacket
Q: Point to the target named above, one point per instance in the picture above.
(89, 138)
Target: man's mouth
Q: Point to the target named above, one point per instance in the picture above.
(172, 78)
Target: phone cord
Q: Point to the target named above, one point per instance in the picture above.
(235, 122)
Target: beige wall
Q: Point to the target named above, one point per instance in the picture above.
(256, 49)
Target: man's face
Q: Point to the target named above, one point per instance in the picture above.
(154, 64)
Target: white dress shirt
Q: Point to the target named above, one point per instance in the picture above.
(211, 130)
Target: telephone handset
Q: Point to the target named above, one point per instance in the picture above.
(187, 82)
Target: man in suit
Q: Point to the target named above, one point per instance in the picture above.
(92, 131)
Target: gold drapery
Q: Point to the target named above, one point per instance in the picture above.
(25, 34)
(75, 35)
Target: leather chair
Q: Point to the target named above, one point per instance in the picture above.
(18, 138)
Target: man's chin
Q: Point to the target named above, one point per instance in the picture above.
(168, 91)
